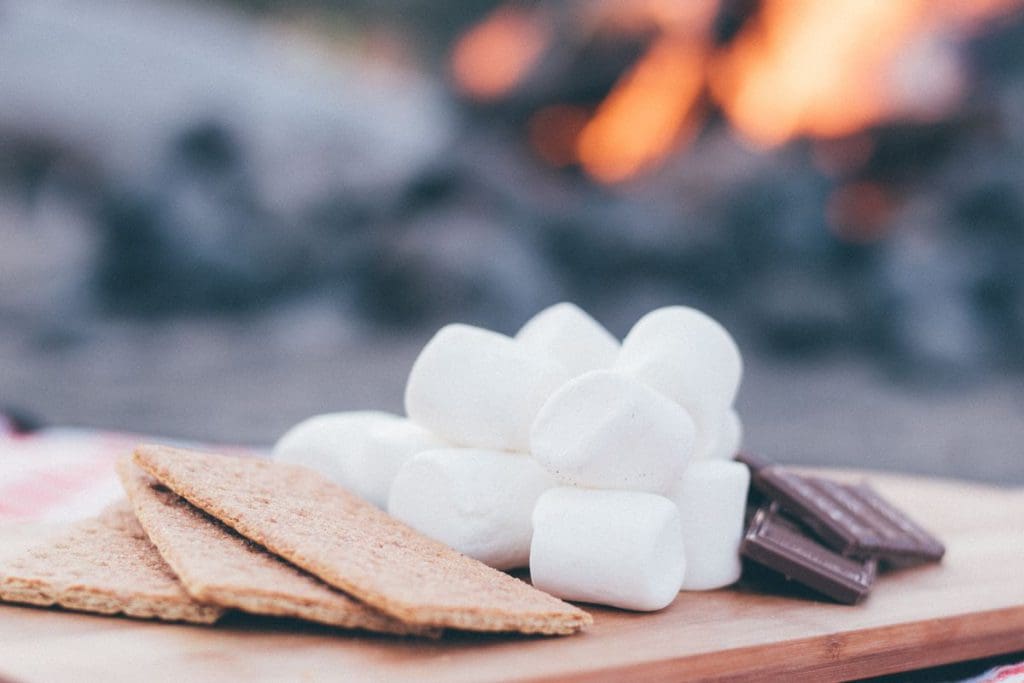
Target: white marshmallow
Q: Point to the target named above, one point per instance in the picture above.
(727, 440)
(711, 497)
(480, 389)
(608, 431)
(686, 355)
(578, 341)
(665, 376)
(618, 548)
(476, 501)
(359, 450)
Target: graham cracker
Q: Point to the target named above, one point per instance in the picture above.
(220, 567)
(350, 544)
(104, 564)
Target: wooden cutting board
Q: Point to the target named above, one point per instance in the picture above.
(971, 606)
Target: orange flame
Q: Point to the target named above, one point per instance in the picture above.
(495, 56)
(812, 67)
(647, 112)
(825, 69)
(690, 17)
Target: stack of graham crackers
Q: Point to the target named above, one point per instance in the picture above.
(201, 533)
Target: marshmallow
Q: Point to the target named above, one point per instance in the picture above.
(727, 441)
(578, 341)
(359, 450)
(608, 431)
(664, 377)
(712, 497)
(687, 356)
(476, 501)
(618, 548)
(480, 389)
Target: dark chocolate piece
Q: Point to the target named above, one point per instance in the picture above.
(850, 519)
(812, 502)
(886, 539)
(915, 543)
(777, 543)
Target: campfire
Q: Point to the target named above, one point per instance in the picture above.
(776, 71)
(827, 176)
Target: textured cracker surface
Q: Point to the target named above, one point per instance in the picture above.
(105, 564)
(218, 566)
(352, 545)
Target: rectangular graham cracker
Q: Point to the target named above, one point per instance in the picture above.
(104, 564)
(219, 567)
(347, 542)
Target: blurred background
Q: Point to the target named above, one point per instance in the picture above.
(219, 218)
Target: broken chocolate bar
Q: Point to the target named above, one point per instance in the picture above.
(913, 544)
(812, 502)
(777, 543)
(836, 534)
(853, 520)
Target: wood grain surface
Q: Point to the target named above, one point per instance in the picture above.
(971, 606)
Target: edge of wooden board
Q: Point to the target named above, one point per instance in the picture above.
(841, 656)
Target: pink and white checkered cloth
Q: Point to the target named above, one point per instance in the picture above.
(1013, 673)
(60, 475)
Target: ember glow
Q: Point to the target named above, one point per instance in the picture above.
(692, 17)
(553, 132)
(821, 69)
(810, 67)
(494, 56)
(646, 114)
(859, 212)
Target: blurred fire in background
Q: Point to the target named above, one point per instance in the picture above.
(877, 110)
(185, 189)
(782, 70)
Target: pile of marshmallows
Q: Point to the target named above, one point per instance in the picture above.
(605, 467)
